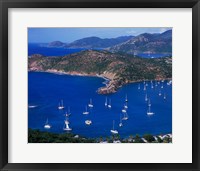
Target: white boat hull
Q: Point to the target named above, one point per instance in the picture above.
(150, 113)
(114, 131)
(88, 122)
(125, 118)
(85, 113)
(67, 129)
(47, 126)
(90, 105)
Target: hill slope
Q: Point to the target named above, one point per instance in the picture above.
(96, 42)
(146, 43)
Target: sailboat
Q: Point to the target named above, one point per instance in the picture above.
(144, 87)
(68, 112)
(164, 97)
(106, 102)
(88, 122)
(113, 131)
(86, 112)
(126, 99)
(123, 110)
(149, 103)
(149, 111)
(109, 105)
(125, 106)
(138, 86)
(162, 85)
(90, 104)
(47, 125)
(151, 84)
(160, 93)
(61, 106)
(146, 98)
(120, 123)
(32, 106)
(125, 116)
(67, 128)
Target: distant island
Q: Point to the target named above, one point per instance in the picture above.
(143, 43)
(118, 68)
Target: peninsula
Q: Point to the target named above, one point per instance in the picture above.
(118, 68)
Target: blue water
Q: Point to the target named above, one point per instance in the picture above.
(153, 55)
(35, 48)
(45, 90)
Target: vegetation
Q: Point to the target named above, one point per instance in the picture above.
(120, 68)
(37, 136)
(153, 43)
(149, 137)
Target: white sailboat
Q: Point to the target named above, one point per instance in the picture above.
(126, 99)
(109, 105)
(47, 125)
(159, 93)
(123, 110)
(113, 131)
(88, 122)
(125, 116)
(120, 122)
(90, 104)
(138, 86)
(164, 97)
(125, 106)
(149, 111)
(61, 106)
(149, 102)
(162, 85)
(67, 128)
(32, 106)
(144, 87)
(152, 85)
(146, 98)
(169, 82)
(106, 102)
(86, 112)
(68, 112)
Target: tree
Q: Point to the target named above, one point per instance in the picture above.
(138, 139)
(149, 137)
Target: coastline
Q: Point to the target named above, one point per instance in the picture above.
(111, 85)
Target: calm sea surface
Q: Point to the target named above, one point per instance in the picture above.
(34, 48)
(46, 90)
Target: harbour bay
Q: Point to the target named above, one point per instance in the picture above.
(46, 90)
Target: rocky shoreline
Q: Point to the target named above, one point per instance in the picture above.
(112, 85)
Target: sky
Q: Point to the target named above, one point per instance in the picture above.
(68, 35)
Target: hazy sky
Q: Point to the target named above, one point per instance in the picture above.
(67, 35)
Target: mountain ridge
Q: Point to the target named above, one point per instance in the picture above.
(146, 43)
